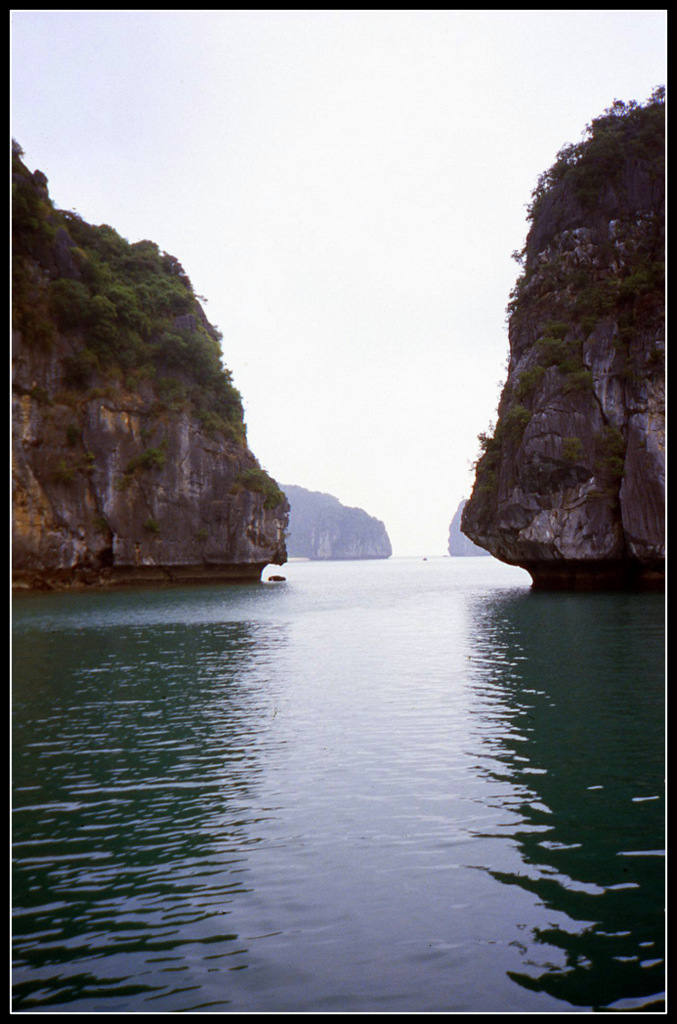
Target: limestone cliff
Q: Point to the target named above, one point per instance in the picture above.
(571, 485)
(320, 527)
(130, 461)
(460, 546)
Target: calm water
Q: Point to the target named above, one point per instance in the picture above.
(380, 786)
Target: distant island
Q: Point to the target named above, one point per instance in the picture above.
(459, 545)
(322, 528)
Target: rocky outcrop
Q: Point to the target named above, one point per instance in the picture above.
(127, 468)
(460, 546)
(107, 489)
(321, 528)
(571, 484)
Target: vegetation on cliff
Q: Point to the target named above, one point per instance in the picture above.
(586, 186)
(623, 130)
(129, 307)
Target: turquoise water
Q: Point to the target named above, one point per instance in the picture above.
(376, 787)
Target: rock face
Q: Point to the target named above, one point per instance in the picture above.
(321, 528)
(459, 545)
(128, 466)
(571, 485)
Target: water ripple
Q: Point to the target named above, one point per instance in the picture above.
(386, 789)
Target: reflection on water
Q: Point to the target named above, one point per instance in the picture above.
(133, 798)
(575, 686)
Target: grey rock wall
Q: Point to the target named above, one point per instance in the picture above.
(107, 489)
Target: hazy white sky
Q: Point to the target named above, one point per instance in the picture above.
(345, 188)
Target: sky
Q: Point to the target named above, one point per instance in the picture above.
(345, 190)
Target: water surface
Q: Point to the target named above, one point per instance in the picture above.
(377, 787)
